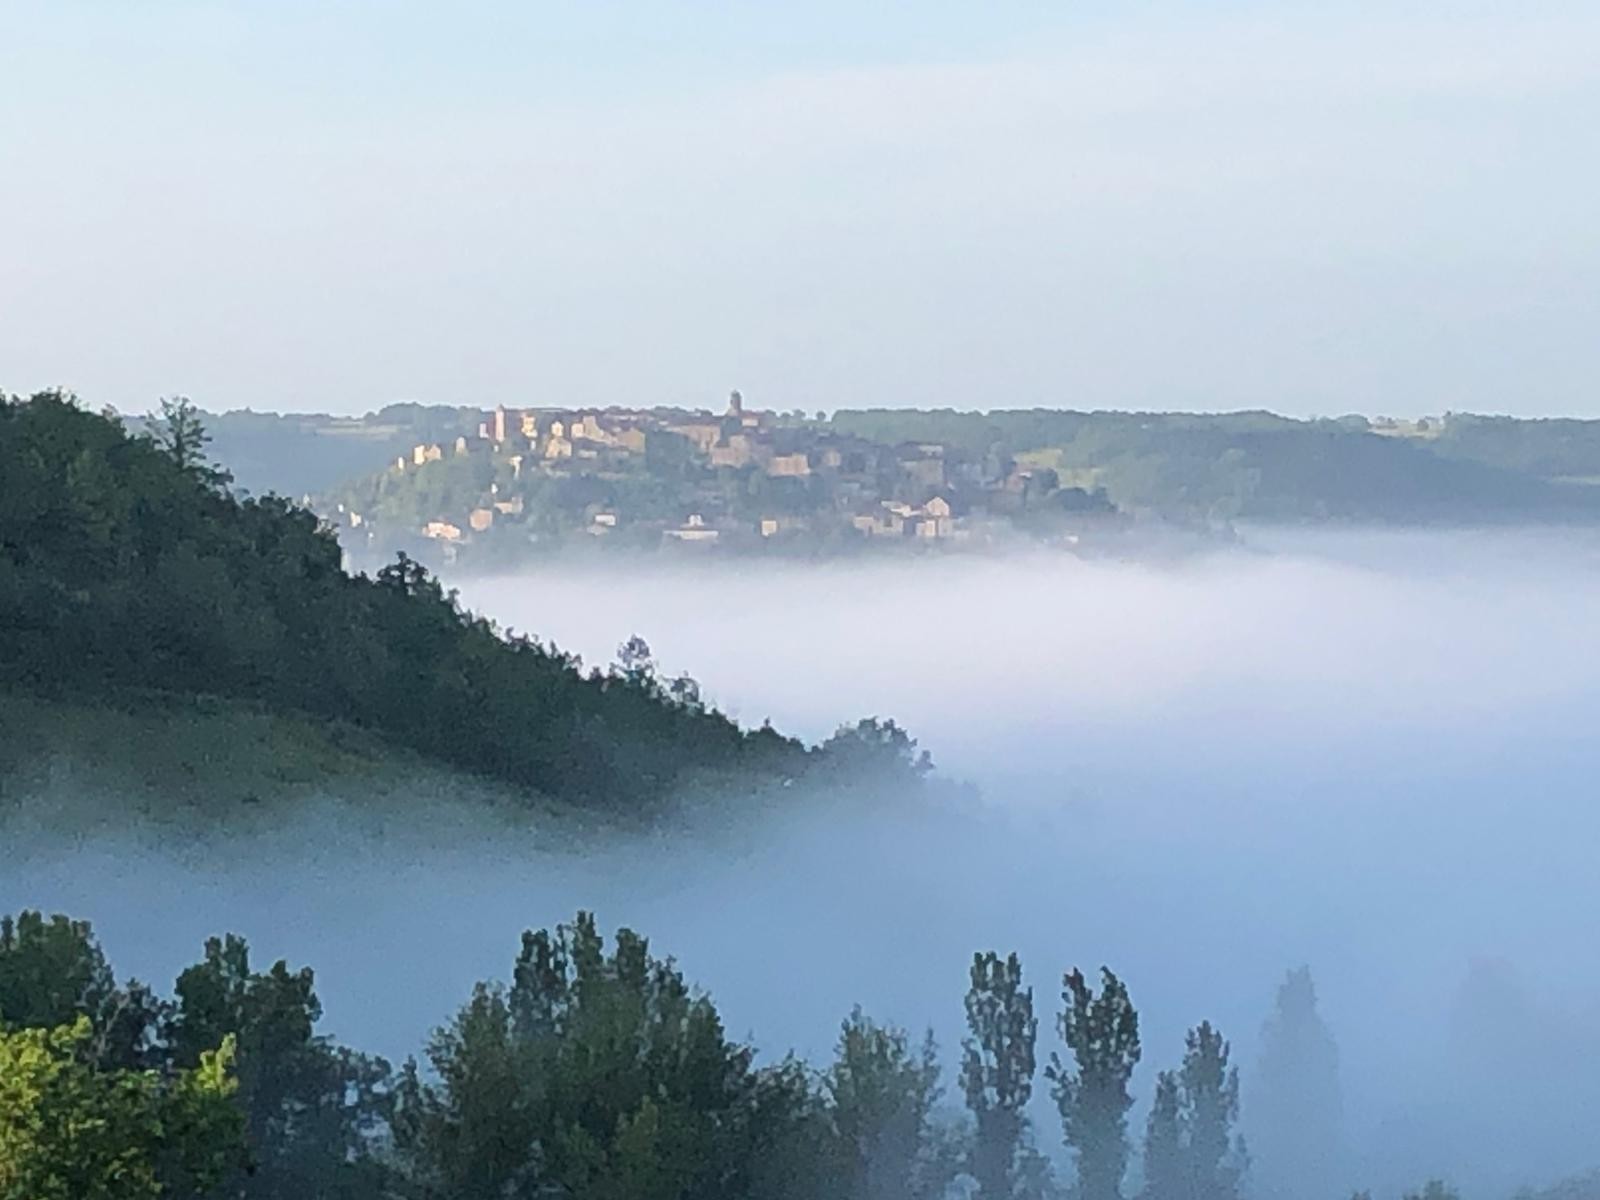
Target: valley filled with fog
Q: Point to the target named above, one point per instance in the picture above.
(1369, 753)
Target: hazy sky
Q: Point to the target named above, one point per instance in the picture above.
(1313, 207)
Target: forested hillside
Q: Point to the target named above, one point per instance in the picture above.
(1260, 466)
(127, 564)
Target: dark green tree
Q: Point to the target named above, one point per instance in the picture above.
(596, 1074)
(474, 1134)
(312, 1110)
(181, 432)
(997, 1067)
(877, 750)
(1101, 1033)
(1165, 1174)
(1210, 1087)
(52, 971)
(880, 1092)
(1190, 1150)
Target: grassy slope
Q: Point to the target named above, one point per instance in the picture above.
(163, 758)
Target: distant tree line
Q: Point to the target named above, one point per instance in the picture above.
(126, 563)
(597, 1072)
(1264, 467)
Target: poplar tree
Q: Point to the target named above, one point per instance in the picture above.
(1190, 1151)
(880, 1094)
(1091, 1092)
(1163, 1142)
(1210, 1089)
(997, 1068)
(1296, 1123)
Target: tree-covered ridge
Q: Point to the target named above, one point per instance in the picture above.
(127, 563)
(491, 485)
(597, 1072)
(1262, 466)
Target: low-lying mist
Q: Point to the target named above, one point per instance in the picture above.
(1371, 753)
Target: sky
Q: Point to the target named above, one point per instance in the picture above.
(1313, 208)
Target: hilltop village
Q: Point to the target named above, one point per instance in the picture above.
(741, 481)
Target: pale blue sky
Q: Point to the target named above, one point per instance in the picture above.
(1307, 207)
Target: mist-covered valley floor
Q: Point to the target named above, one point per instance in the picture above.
(1371, 753)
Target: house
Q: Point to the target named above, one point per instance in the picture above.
(583, 432)
(935, 519)
(703, 433)
(442, 531)
(694, 529)
(790, 464)
(498, 424)
(510, 508)
(423, 453)
(885, 519)
(733, 454)
(773, 526)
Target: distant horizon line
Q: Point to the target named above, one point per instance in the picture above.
(829, 414)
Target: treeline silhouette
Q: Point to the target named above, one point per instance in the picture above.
(126, 562)
(597, 1072)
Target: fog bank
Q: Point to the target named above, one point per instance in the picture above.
(1369, 753)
